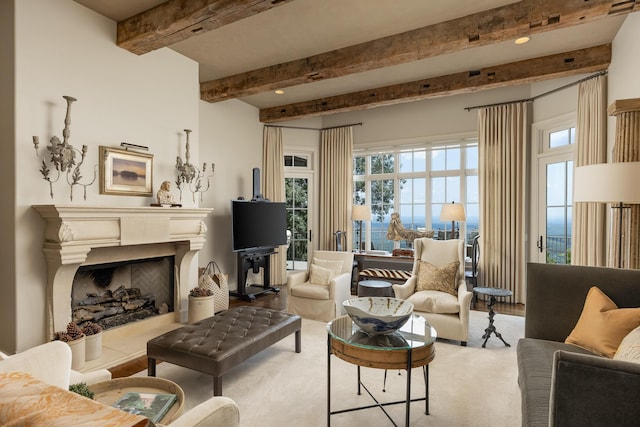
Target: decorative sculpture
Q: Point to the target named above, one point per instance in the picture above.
(396, 230)
(164, 194)
(190, 176)
(63, 157)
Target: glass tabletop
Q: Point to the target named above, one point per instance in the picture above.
(415, 333)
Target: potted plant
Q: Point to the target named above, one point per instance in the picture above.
(82, 389)
(75, 338)
(200, 304)
(93, 344)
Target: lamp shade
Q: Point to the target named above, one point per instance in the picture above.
(607, 183)
(453, 212)
(361, 213)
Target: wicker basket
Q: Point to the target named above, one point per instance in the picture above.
(212, 278)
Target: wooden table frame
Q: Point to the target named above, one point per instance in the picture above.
(402, 358)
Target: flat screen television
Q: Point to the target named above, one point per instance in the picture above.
(257, 225)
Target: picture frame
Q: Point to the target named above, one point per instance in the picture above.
(125, 173)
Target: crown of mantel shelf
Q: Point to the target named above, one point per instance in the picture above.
(104, 226)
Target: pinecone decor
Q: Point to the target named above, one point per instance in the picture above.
(91, 328)
(200, 292)
(74, 332)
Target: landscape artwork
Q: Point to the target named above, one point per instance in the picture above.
(125, 172)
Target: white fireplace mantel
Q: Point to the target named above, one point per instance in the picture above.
(73, 232)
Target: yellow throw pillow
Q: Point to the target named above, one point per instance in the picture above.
(320, 275)
(602, 325)
(434, 278)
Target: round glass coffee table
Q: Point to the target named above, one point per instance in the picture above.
(412, 346)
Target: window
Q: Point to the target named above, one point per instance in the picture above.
(415, 183)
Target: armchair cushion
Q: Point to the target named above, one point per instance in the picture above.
(435, 302)
(311, 291)
(334, 265)
(320, 275)
(438, 278)
(602, 325)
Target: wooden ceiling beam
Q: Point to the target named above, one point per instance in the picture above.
(177, 20)
(508, 22)
(553, 66)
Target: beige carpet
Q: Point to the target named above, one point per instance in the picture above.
(468, 386)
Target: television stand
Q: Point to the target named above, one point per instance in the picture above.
(253, 260)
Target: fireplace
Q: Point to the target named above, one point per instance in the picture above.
(80, 236)
(115, 294)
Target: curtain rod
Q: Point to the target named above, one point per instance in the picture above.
(593, 76)
(306, 128)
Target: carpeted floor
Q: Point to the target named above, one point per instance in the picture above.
(468, 386)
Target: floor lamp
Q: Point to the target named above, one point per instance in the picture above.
(360, 213)
(452, 212)
(615, 183)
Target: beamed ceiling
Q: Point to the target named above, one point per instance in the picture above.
(333, 56)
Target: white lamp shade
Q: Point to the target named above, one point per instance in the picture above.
(607, 183)
(453, 212)
(360, 213)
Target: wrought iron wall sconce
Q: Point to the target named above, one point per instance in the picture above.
(62, 158)
(189, 176)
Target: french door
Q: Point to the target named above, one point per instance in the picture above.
(299, 189)
(555, 175)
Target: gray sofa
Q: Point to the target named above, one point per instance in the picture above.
(562, 384)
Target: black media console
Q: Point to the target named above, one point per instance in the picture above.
(253, 260)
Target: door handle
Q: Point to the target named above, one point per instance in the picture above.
(310, 234)
(540, 245)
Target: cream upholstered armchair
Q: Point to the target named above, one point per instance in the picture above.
(319, 292)
(437, 287)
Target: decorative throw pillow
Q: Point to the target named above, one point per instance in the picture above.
(602, 325)
(434, 278)
(320, 275)
(335, 266)
(629, 350)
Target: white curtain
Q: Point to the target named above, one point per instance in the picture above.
(503, 134)
(273, 189)
(589, 219)
(336, 185)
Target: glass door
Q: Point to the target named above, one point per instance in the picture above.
(298, 193)
(555, 215)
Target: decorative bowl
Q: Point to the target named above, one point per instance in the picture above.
(378, 315)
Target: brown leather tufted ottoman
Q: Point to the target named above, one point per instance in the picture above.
(217, 344)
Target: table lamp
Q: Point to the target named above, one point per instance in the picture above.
(452, 212)
(360, 213)
(615, 183)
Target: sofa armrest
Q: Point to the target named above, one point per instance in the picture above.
(49, 362)
(216, 411)
(407, 289)
(593, 390)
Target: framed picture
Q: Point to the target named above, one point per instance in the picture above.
(125, 173)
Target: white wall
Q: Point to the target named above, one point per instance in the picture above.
(231, 137)
(62, 48)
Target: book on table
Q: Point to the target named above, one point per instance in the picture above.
(151, 405)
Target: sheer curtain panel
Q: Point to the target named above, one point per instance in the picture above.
(273, 189)
(336, 185)
(588, 246)
(503, 133)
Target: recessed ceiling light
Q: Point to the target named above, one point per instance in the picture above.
(522, 40)
(279, 92)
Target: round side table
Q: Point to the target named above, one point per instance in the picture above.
(493, 294)
(375, 288)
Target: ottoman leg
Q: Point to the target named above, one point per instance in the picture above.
(298, 341)
(151, 367)
(217, 386)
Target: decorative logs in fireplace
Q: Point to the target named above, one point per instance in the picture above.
(114, 308)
